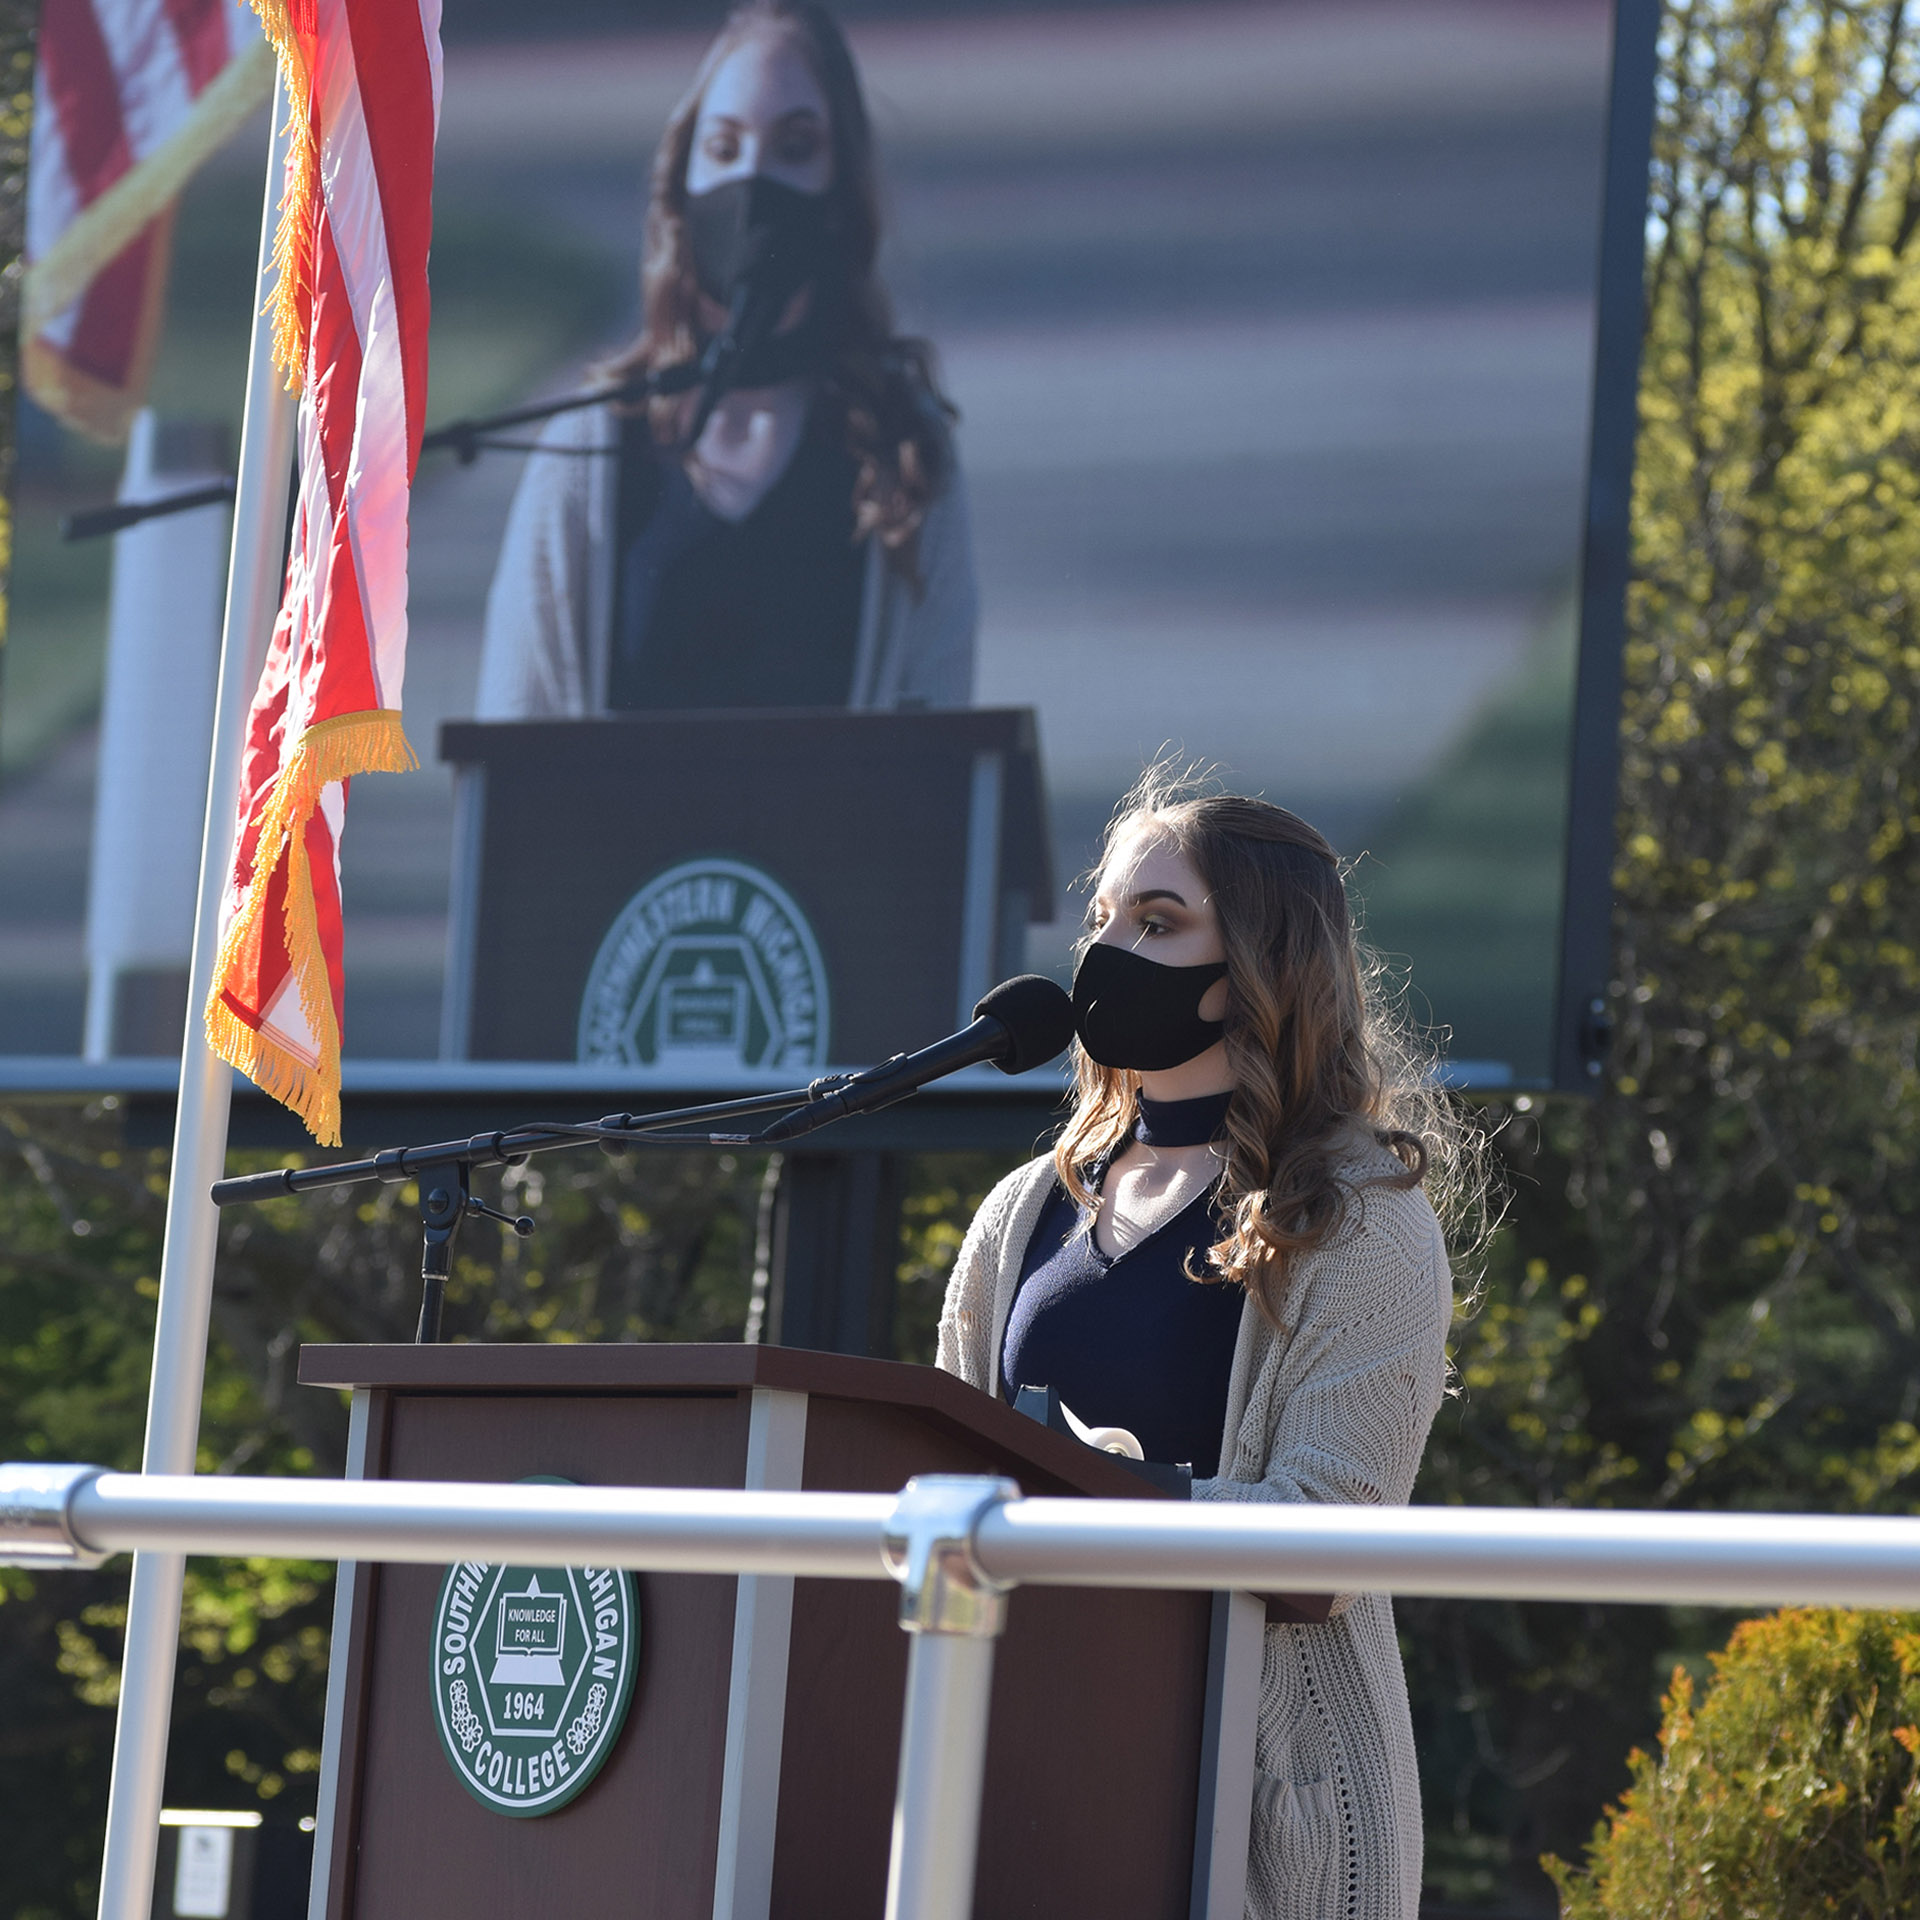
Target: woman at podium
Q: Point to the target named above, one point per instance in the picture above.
(1233, 1253)
(793, 532)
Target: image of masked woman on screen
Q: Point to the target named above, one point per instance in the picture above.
(801, 539)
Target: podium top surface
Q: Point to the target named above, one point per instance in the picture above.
(644, 1367)
(748, 731)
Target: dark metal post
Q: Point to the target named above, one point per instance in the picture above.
(836, 1249)
(444, 1191)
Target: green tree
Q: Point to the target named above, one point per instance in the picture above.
(78, 1259)
(1706, 1294)
(659, 1248)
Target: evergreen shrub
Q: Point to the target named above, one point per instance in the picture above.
(1790, 1789)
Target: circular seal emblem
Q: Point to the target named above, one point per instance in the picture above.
(532, 1673)
(711, 965)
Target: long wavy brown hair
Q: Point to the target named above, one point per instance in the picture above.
(1321, 1056)
(880, 388)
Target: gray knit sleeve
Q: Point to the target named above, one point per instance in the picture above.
(538, 645)
(1356, 1372)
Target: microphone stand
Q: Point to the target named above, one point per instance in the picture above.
(95, 522)
(444, 1170)
(465, 439)
(749, 318)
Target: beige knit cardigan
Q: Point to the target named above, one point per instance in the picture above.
(1334, 1405)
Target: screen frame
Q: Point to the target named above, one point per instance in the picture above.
(383, 1100)
(1582, 1026)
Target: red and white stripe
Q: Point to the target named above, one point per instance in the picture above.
(367, 88)
(360, 416)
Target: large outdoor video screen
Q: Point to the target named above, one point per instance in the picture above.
(1270, 338)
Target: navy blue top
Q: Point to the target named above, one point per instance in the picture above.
(1128, 1340)
(761, 612)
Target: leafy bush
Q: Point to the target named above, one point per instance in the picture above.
(1790, 1790)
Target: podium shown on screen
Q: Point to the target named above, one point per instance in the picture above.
(707, 897)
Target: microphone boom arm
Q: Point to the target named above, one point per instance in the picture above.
(465, 439)
(1020, 1024)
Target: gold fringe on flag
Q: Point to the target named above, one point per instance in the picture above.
(333, 750)
(292, 299)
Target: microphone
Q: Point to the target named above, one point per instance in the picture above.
(758, 301)
(1022, 1023)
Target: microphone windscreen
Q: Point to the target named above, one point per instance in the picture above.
(1037, 1015)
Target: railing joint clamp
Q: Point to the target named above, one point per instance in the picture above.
(36, 1515)
(929, 1549)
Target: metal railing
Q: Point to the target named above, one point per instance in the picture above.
(957, 1546)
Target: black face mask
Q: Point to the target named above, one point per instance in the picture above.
(1133, 1012)
(758, 233)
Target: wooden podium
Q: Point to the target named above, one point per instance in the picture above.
(755, 1773)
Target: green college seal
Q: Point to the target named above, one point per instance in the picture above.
(532, 1672)
(711, 966)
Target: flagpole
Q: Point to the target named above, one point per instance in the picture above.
(200, 1123)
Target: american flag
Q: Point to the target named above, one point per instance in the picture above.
(351, 312)
(130, 96)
